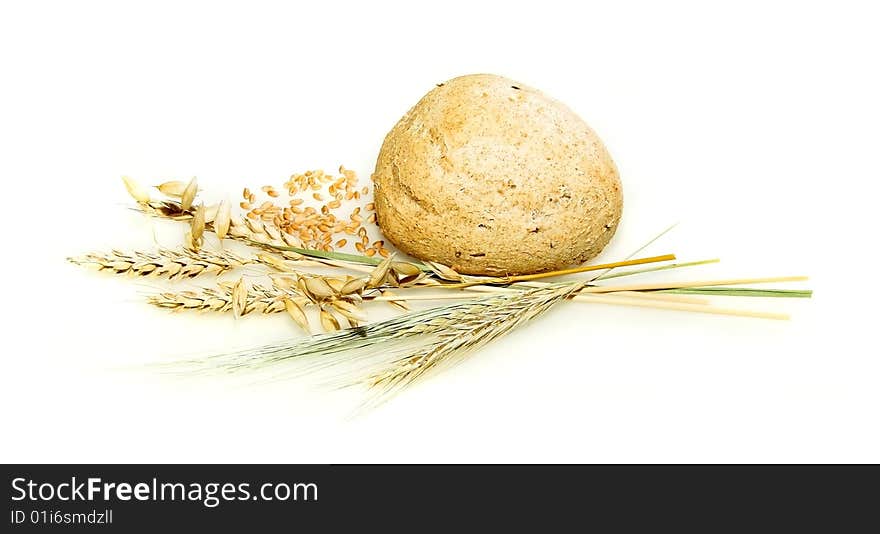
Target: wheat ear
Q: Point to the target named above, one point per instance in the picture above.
(164, 263)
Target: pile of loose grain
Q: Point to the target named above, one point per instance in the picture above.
(307, 208)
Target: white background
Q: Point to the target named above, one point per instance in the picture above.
(754, 125)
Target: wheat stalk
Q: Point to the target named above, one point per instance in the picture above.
(182, 263)
(164, 263)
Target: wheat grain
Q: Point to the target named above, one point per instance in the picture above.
(314, 225)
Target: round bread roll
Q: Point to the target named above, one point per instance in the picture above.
(492, 177)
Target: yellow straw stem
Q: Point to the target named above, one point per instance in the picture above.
(699, 283)
(660, 297)
(604, 298)
(585, 268)
(676, 306)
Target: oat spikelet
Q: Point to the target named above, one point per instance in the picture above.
(189, 194)
(317, 288)
(164, 263)
(405, 269)
(296, 312)
(136, 190)
(239, 298)
(223, 219)
(380, 272)
(328, 321)
(355, 285)
(444, 272)
(211, 213)
(174, 188)
(197, 227)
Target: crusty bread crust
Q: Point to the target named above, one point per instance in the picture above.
(492, 177)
